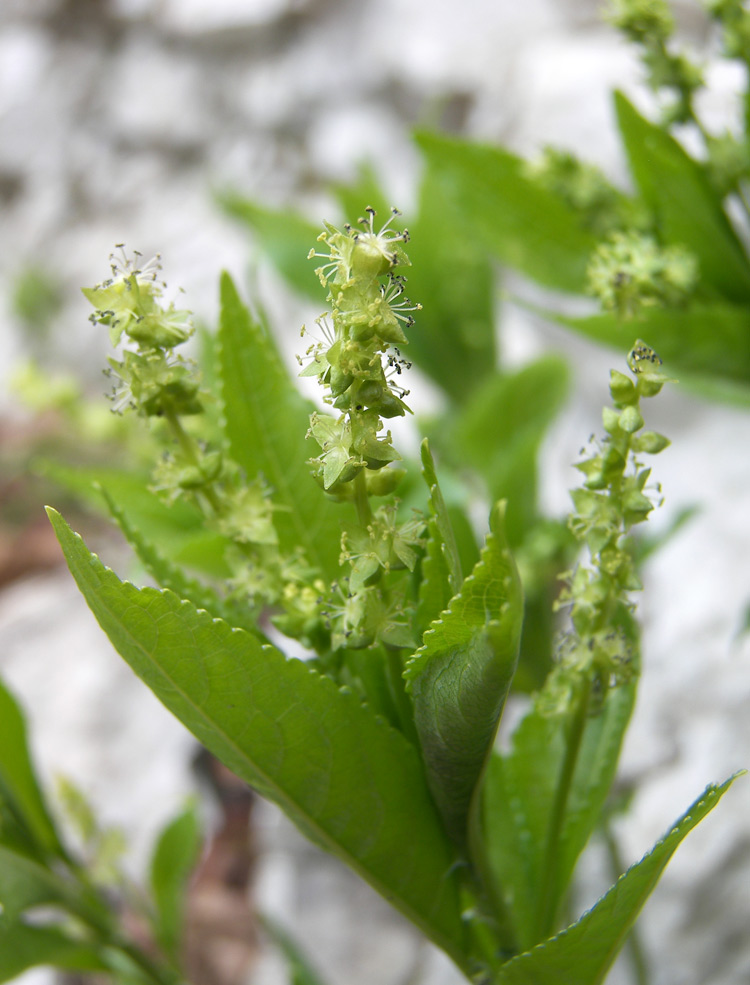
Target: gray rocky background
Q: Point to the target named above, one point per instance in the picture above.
(118, 119)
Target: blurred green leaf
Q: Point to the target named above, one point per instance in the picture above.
(498, 433)
(523, 224)
(175, 856)
(708, 342)
(266, 420)
(23, 946)
(687, 209)
(19, 790)
(452, 339)
(302, 971)
(285, 237)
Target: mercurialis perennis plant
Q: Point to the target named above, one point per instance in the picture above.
(332, 626)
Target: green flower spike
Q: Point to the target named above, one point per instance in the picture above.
(599, 651)
(358, 362)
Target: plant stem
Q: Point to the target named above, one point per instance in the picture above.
(361, 499)
(547, 903)
(189, 449)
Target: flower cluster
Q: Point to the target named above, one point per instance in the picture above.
(599, 650)
(156, 383)
(630, 271)
(649, 23)
(357, 359)
(734, 18)
(358, 362)
(149, 378)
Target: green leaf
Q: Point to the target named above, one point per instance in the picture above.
(266, 420)
(302, 971)
(687, 209)
(443, 527)
(519, 793)
(175, 855)
(453, 336)
(498, 433)
(19, 790)
(460, 677)
(584, 953)
(523, 224)
(23, 947)
(350, 782)
(179, 530)
(709, 342)
(168, 575)
(284, 236)
(26, 883)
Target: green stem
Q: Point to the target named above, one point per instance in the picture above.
(547, 901)
(189, 448)
(361, 499)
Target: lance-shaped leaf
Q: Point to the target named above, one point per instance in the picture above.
(350, 782)
(24, 812)
(283, 235)
(687, 208)
(519, 221)
(518, 797)
(24, 946)
(175, 855)
(460, 677)
(584, 953)
(266, 420)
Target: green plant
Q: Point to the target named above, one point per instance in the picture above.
(380, 747)
(673, 254)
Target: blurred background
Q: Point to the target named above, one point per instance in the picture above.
(123, 121)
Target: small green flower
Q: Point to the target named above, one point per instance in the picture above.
(630, 271)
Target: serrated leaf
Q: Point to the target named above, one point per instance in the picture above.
(179, 529)
(460, 677)
(350, 782)
(523, 224)
(23, 946)
(20, 793)
(584, 953)
(434, 587)
(168, 575)
(442, 524)
(687, 209)
(175, 855)
(285, 236)
(266, 420)
(519, 794)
